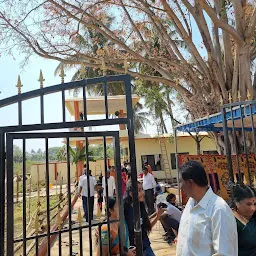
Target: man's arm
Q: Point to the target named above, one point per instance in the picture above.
(153, 181)
(156, 218)
(224, 233)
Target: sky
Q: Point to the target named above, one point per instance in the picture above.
(10, 69)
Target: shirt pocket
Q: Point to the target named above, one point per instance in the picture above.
(201, 231)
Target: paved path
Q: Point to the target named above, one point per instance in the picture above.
(159, 246)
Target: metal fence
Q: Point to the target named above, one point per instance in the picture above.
(239, 123)
(45, 234)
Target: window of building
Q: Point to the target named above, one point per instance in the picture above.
(153, 160)
(173, 159)
(210, 152)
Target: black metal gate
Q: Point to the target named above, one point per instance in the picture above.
(52, 232)
(239, 123)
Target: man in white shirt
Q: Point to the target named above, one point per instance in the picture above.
(111, 185)
(83, 188)
(148, 186)
(207, 226)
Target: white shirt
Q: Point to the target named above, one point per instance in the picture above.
(173, 212)
(111, 186)
(148, 181)
(83, 183)
(208, 228)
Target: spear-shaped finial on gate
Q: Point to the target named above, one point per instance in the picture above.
(104, 67)
(239, 96)
(62, 74)
(41, 79)
(19, 85)
(230, 98)
(126, 66)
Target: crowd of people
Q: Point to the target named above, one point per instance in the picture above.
(207, 225)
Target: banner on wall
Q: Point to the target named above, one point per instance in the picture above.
(217, 171)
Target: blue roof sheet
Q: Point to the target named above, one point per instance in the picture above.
(209, 123)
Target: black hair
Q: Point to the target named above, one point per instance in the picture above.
(156, 180)
(242, 191)
(111, 203)
(143, 212)
(85, 165)
(90, 172)
(158, 189)
(144, 168)
(145, 162)
(170, 197)
(193, 170)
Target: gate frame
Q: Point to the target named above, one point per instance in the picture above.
(42, 126)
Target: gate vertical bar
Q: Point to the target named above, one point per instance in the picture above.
(228, 150)
(107, 195)
(63, 106)
(135, 200)
(42, 108)
(69, 198)
(236, 148)
(2, 192)
(245, 144)
(119, 194)
(177, 164)
(47, 197)
(24, 198)
(89, 193)
(10, 219)
(84, 100)
(105, 88)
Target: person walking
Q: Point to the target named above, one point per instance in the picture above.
(87, 199)
(148, 186)
(207, 225)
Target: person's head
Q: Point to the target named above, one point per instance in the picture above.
(125, 163)
(108, 174)
(245, 200)
(171, 198)
(90, 172)
(113, 208)
(145, 163)
(85, 165)
(145, 170)
(193, 178)
(128, 199)
(112, 168)
(156, 180)
(128, 193)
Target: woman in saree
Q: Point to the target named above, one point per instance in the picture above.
(114, 234)
(244, 212)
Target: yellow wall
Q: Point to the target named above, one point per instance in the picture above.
(142, 146)
(152, 147)
(96, 167)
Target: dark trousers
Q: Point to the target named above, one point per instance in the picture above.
(168, 224)
(149, 200)
(85, 206)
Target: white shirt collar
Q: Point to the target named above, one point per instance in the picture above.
(203, 203)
